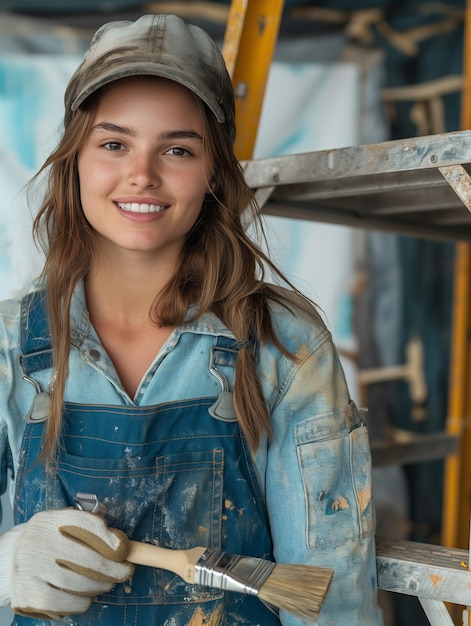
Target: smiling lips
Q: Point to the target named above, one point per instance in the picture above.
(137, 207)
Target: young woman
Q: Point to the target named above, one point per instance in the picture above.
(155, 367)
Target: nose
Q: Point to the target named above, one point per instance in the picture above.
(143, 171)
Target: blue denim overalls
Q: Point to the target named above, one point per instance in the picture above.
(169, 474)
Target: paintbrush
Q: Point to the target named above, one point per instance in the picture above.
(297, 589)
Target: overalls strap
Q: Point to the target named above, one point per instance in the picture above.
(36, 346)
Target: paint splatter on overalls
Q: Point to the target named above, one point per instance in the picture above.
(170, 474)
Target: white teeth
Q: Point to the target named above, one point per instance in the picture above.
(136, 207)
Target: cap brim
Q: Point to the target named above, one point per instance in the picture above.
(148, 69)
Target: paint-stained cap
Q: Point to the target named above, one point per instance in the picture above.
(155, 45)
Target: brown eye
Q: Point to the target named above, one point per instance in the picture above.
(178, 151)
(113, 146)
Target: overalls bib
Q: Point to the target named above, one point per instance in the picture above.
(170, 474)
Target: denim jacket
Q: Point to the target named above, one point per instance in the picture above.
(315, 472)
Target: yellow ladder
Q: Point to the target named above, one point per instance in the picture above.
(252, 25)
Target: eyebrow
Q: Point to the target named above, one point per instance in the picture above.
(171, 134)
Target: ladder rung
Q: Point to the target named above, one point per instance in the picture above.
(425, 570)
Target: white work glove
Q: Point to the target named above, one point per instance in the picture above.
(52, 565)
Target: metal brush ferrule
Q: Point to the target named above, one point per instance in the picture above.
(89, 502)
(221, 570)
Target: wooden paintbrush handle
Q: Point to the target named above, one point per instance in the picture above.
(180, 562)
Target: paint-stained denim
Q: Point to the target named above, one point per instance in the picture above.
(171, 475)
(315, 473)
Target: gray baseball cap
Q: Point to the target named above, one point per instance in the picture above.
(155, 45)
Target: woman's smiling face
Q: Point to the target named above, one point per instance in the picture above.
(143, 169)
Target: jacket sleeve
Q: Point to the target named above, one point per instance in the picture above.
(12, 403)
(318, 485)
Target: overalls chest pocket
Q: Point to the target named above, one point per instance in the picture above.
(167, 491)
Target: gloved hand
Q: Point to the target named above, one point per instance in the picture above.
(56, 562)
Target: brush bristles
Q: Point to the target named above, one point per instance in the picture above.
(297, 589)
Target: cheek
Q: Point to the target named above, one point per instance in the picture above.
(88, 188)
(94, 180)
(193, 190)
(83, 181)
(83, 176)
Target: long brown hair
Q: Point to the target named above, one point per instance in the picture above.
(221, 268)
